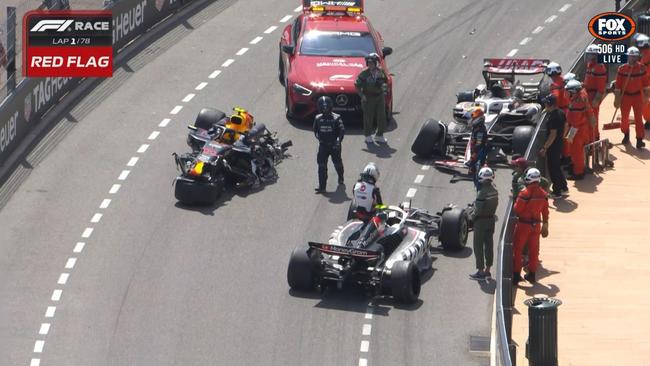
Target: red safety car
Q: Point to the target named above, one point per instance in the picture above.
(323, 51)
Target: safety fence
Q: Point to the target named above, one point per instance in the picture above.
(505, 292)
(29, 99)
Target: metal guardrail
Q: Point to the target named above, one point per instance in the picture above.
(505, 349)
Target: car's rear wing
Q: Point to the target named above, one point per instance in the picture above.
(350, 7)
(516, 66)
(364, 254)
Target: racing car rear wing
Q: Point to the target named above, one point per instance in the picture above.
(517, 66)
(333, 6)
(364, 254)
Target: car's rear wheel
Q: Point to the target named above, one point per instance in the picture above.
(521, 137)
(208, 117)
(425, 144)
(405, 282)
(301, 273)
(454, 228)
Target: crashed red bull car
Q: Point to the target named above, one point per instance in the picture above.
(323, 51)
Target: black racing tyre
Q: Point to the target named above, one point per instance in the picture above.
(405, 282)
(426, 140)
(521, 137)
(208, 117)
(280, 69)
(454, 227)
(300, 274)
(191, 192)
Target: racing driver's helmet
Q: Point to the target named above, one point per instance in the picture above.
(370, 173)
(240, 121)
(373, 57)
(325, 104)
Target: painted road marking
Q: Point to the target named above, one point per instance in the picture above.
(49, 313)
(63, 278)
(133, 161)
(363, 362)
(512, 52)
(79, 247)
(214, 74)
(418, 179)
(153, 135)
(538, 29)
(56, 295)
(426, 167)
(256, 40)
(286, 18)
(70, 263)
(35, 362)
(87, 232)
(143, 148)
(365, 345)
(411, 193)
(228, 62)
(298, 9)
(565, 8)
(550, 19)
(270, 29)
(367, 328)
(241, 51)
(164, 122)
(524, 41)
(124, 174)
(201, 86)
(188, 97)
(114, 189)
(45, 328)
(38, 346)
(368, 315)
(176, 109)
(105, 203)
(96, 217)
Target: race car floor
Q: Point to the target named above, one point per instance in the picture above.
(594, 261)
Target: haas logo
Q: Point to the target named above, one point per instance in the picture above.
(612, 26)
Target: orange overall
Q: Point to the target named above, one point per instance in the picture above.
(645, 60)
(557, 89)
(531, 203)
(634, 75)
(595, 83)
(578, 116)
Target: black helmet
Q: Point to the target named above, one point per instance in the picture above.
(373, 57)
(325, 104)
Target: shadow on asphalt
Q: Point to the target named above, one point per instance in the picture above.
(208, 209)
(338, 196)
(565, 205)
(383, 151)
(353, 124)
(463, 253)
(638, 154)
(589, 184)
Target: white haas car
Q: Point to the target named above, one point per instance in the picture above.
(512, 110)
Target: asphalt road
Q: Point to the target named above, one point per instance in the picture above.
(159, 284)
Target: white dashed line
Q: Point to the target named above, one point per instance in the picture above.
(70, 263)
(56, 295)
(411, 193)
(365, 345)
(426, 167)
(176, 109)
(565, 8)
(63, 278)
(143, 148)
(418, 179)
(524, 41)
(164, 122)
(286, 18)
(298, 9)
(153, 135)
(35, 362)
(49, 313)
(367, 328)
(202, 85)
(242, 51)
(368, 315)
(363, 362)
(45, 328)
(188, 97)
(228, 62)
(538, 29)
(79, 247)
(256, 40)
(124, 174)
(87, 232)
(133, 161)
(214, 74)
(550, 19)
(96, 217)
(270, 29)
(105, 203)
(114, 189)
(512, 52)
(38, 346)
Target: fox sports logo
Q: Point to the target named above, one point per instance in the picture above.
(612, 26)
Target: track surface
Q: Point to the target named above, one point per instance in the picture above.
(159, 284)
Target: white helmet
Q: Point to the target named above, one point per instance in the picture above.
(532, 176)
(553, 68)
(485, 174)
(573, 86)
(568, 77)
(370, 171)
(592, 49)
(642, 41)
(633, 51)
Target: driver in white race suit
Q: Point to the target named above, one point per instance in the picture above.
(366, 193)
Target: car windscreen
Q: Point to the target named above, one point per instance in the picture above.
(337, 44)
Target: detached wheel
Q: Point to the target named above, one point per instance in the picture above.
(521, 137)
(427, 139)
(405, 282)
(453, 229)
(191, 192)
(208, 117)
(300, 274)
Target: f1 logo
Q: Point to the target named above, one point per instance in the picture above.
(612, 25)
(54, 24)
